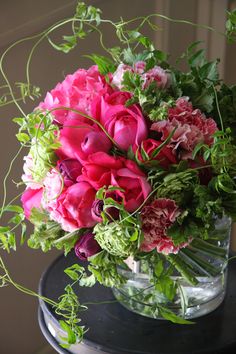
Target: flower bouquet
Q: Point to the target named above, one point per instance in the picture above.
(131, 164)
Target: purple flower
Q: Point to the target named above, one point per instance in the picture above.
(70, 170)
(86, 246)
(97, 209)
(112, 213)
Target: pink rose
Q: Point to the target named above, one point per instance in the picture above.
(31, 198)
(134, 183)
(157, 75)
(77, 91)
(79, 140)
(99, 169)
(165, 157)
(104, 170)
(70, 207)
(156, 218)
(126, 125)
(192, 127)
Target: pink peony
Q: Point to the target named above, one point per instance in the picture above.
(70, 207)
(77, 91)
(79, 140)
(192, 127)
(126, 125)
(156, 218)
(165, 157)
(31, 198)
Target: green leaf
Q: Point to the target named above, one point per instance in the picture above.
(71, 337)
(23, 233)
(75, 271)
(22, 137)
(104, 64)
(197, 59)
(4, 229)
(134, 236)
(87, 281)
(14, 209)
(159, 268)
(170, 316)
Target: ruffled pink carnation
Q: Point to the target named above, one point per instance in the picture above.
(156, 218)
(192, 126)
(70, 207)
(77, 91)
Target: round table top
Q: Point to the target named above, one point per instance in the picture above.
(114, 329)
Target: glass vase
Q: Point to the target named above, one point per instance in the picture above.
(139, 295)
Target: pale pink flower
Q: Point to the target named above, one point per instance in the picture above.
(157, 75)
(27, 176)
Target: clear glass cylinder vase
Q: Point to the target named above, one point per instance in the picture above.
(140, 296)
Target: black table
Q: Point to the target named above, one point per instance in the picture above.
(113, 329)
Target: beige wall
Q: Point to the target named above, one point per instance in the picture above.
(19, 332)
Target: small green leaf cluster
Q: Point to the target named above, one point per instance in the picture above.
(84, 14)
(104, 267)
(22, 91)
(231, 26)
(7, 233)
(39, 133)
(68, 308)
(120, 237)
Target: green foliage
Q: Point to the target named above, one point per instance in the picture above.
(68, 308)
(84, 15)
(226, 97)
(104, 64)
(78, 273)
(22, 91)
(104, 268)
(231, 26)
(178, 185)
(44, 236)
(37, 128)
(120, 237)
(7, 233)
